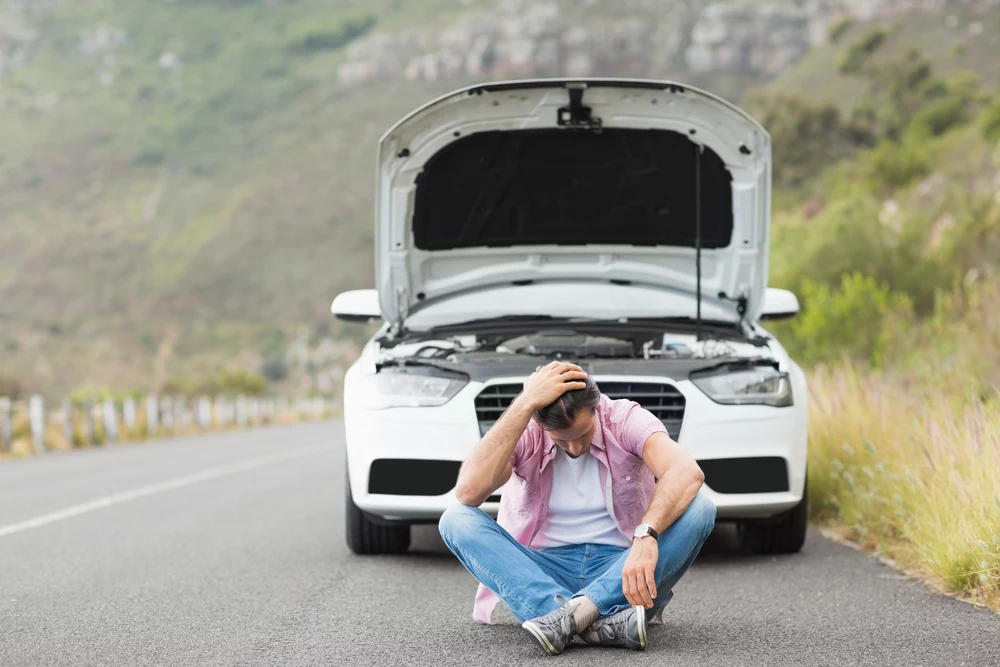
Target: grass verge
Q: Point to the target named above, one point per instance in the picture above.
(913, 476)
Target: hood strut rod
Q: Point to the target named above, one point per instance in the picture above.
(697, 236)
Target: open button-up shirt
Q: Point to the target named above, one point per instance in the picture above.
(622, 429)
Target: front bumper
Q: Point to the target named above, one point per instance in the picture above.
(710, 432)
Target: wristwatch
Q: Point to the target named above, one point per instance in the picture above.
(644, 529)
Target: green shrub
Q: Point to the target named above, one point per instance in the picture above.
(991, 121)
(241, 382)
(854, 59)
(850, 321)
(839, 28)
(940, 115)
(807, 136)
(895, 164)
(316, 39)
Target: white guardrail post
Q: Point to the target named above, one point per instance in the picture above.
(36, 415)
(128, 414)
(167, 413)
(152, 415)
(67, 419)
(241, 411)
(204, 413)
(110, 420)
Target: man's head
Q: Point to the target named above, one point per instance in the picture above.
(570, 421)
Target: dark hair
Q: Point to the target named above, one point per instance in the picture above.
(562, 413)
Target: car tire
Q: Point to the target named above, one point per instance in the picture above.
(367, 538)
(784, 536)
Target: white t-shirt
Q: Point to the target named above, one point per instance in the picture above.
(577, 510)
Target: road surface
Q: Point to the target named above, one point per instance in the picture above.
(229, 550)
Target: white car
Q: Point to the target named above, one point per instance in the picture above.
(619, 224)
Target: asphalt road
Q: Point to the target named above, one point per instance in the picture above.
(229, 550)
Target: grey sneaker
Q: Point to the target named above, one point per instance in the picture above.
(554, 630)
(626, 629)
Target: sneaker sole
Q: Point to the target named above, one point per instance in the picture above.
(540, 636)
(642, 628)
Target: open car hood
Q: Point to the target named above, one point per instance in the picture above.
(589, 181)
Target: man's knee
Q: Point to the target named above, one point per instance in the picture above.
(703, 514)
(457, 520)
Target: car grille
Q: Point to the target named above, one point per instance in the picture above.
(662, 399)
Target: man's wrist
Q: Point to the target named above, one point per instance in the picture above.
(644, 530)
(522, 406)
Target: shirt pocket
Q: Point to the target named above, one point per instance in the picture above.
(630, 488)
(523, 496)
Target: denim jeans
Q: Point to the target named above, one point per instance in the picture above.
(527, 580)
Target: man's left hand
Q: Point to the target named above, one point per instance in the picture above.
(639, 573)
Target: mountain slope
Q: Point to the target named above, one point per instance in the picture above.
(182, 182)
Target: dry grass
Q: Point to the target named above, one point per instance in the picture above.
(910, 476)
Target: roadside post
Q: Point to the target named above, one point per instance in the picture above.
(67, 415)
(152, 415)
(167, 412)
(110, 420)
(241, 411)
(128, 413)
(36, 415)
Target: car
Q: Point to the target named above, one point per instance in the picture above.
(620, 224)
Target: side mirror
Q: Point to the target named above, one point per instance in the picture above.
(360, 305)
(779, 304)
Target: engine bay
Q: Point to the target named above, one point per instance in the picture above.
(600, 349)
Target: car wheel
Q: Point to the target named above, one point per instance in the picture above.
(785, 536)
(365, 537)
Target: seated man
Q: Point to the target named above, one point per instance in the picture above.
(587, 540)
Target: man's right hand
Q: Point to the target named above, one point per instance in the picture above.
(550, 382)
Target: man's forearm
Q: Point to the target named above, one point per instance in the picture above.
(482, 470)
(672, 496)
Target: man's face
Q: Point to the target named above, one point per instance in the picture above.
(576, 439)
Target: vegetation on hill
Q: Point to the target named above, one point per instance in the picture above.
(891, 238)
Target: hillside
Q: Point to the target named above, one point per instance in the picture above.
(185, 185)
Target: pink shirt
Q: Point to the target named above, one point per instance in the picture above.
(622, 429)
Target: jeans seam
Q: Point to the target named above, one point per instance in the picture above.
(500, 584)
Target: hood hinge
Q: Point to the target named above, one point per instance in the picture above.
(741, 302)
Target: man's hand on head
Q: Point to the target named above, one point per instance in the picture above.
(639, 573)
(550, 382)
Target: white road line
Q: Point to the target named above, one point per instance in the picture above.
(160, 487)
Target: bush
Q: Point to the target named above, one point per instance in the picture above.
(316, 39)
(991, 121)
(847, 322)
(939, 116)
(839, 28)
(854, 59)
(807, 136)
(274, 369)
(893, 164)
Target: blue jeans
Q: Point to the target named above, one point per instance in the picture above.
(527, 580)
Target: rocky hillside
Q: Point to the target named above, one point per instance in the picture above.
(185, 184)
(648, 38)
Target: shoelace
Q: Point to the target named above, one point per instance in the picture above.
(615, 626)
(554, 616)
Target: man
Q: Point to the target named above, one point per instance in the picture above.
(587, 542)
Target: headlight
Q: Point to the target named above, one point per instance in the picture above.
(411, 388)
(763, 385)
